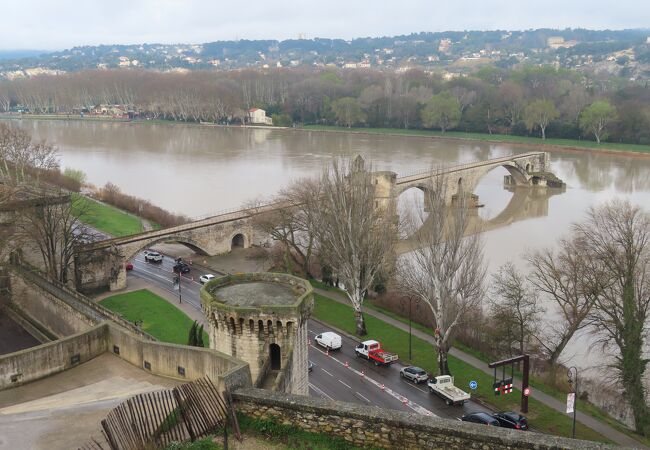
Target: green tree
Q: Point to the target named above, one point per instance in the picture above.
(347, 111)
(595, 118)
(441, 110)
(195, 337)
(539, 113)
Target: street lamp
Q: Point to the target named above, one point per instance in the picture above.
(572, 374)
(177, 281)
(417, 305)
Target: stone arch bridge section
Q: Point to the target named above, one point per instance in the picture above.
(102, 264)
(526, 169)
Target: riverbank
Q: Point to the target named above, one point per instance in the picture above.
(515, 141)
(519, 141)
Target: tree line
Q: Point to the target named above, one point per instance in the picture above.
(528, 101)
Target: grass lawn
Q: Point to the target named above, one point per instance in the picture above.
(541, 417)
(490, 137)
(105, 218)
(159, 318)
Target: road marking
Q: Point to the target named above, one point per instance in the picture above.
(319, 390)
(191, 303)
(415, 387)
(360, 395)
(412, 405)
(323, 370)
(346, 385)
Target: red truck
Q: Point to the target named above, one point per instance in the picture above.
(372, 351)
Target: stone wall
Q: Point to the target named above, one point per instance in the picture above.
(167, 360)
(381, 428)
(48, 310)
(44, 360)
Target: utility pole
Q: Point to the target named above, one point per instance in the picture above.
(177, 282)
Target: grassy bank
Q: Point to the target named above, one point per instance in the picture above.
(499, 138)
(105, 218)
(159, 318)
(542, 417)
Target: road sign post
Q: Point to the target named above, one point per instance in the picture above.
(500, 386)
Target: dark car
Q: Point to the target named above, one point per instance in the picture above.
(480, 417)
(181, 267)
(512, 420)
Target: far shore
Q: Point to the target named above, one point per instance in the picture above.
(515, 141)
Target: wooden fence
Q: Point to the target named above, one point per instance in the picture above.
(156, 419)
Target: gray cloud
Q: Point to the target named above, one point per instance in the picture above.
(58, 24)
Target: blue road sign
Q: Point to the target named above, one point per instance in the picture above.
(473, 384)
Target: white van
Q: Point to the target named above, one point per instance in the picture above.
(329, 340)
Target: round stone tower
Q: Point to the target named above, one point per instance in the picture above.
(261, 318)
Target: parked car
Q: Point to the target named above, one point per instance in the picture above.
(415, 374)
(310, 366)
(443, 387)
(153, 257)
(329, 340)
(129, 266)
(181, 267)
(480, 417)
(512, 420)
(205, 278)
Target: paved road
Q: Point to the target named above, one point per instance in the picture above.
(360, 381)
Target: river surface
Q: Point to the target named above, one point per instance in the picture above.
(198, 171)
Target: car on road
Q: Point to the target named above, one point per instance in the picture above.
(206, 278)
(329, 340)
(372, 351)
(153, 257)
(443, 387)
(415, 374)
(480, 417)
(129, 266)
(181, 267)
(512, 420)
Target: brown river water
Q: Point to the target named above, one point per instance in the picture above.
(199, 170)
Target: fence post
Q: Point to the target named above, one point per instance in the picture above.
(186, 419)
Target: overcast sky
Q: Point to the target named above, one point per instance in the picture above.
(60, 24)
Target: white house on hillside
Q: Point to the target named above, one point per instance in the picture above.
(258, 116)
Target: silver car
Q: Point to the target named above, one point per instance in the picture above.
(415, 374)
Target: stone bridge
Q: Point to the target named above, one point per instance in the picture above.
(526, 169)
(102, 264)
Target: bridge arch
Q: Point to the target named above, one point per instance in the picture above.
(188, 242)
(239, 240)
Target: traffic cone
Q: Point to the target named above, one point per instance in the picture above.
(383, 387)
(405, 400)
(346, 364)
(309, 342)
(362, 374)
(327, 352)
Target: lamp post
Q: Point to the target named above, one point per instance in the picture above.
(572, 373)
(417, 304)
(177, 281)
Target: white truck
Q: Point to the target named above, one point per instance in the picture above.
(443, 387)
(372, 351)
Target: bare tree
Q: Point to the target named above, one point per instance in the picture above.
(616, 236)
(446, 270)
(565, 277)
(53, 226)
(356, 238)
(18, 154)
(294, 223)
(514, 309)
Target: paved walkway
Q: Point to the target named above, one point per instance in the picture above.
(602, 428)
